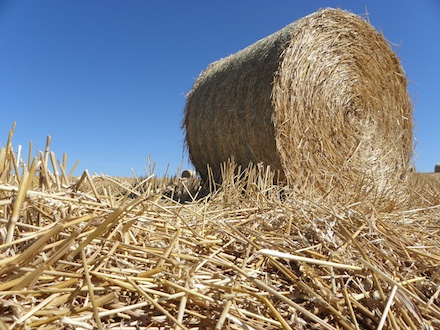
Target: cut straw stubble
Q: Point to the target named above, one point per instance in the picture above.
(26, 181)
(212, 256)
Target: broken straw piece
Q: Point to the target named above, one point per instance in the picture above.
(273, 253)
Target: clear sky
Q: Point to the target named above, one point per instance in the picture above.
(107, 80)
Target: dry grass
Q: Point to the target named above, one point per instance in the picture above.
(323, 101)
(97, 252)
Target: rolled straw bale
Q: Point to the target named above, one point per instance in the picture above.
(437, 168)
(188, 174)
(323, 98)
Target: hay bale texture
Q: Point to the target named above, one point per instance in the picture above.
(323, 98)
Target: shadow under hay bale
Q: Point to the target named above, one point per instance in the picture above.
(323, 101)
(187, 188)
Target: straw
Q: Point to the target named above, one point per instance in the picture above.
(267, 252)
(246, 254)
(387, 308)
(26, 181)
(91, 293)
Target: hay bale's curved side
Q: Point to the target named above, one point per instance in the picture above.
(325, 97)
(229, 110)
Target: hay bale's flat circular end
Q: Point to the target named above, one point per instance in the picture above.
(341, 105)
(188, 174)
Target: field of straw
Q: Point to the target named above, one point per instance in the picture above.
(327, 230)
(98, 252)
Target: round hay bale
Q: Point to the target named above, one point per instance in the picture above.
(323, 98)
(437, 168)
(188, 174)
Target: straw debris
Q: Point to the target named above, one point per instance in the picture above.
(83, 254)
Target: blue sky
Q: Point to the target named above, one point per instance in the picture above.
(107, 80)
